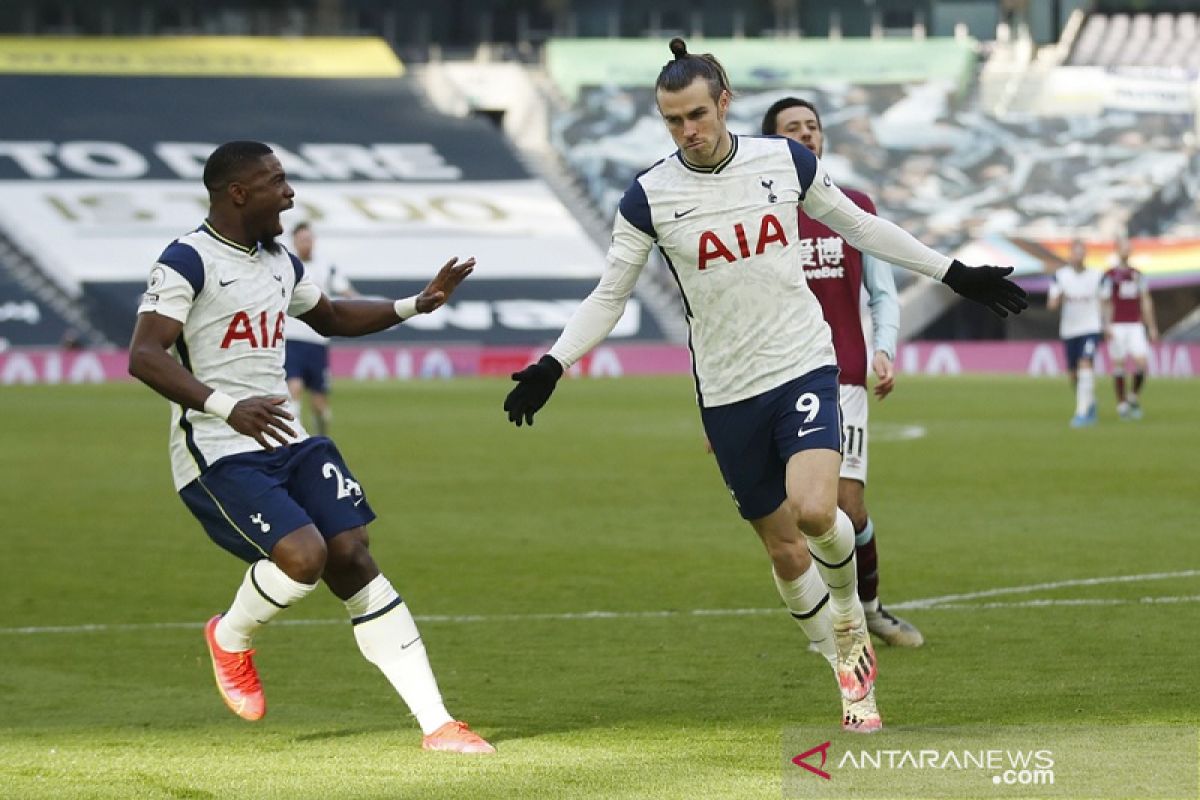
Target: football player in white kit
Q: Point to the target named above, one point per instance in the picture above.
(722, 210)
(306, 352)
(1076, 290)
(209, 337)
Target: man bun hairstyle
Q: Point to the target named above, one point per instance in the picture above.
(679, 73)
(230, 161)
(770, 120)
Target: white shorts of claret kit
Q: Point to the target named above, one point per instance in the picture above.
(854, 432)
(1128, 339)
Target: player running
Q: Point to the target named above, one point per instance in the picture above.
(209, 337)
(722, 211)
(1076, 290)
(1128, 321)
(836, 273)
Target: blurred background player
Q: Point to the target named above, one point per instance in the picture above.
(722, 209)
(1128, 321)
(208, 337)
(836, 272)
(306, 358)
(1076, 290)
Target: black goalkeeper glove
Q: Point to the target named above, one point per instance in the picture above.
(534, 386)
(987, 286)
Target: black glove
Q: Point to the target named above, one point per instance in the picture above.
(987, 286)
(534, 386)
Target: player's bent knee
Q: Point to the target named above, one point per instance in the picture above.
(350, 551)
(814, 519)
(301, 554)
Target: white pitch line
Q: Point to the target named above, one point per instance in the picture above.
(884, 432)
(950, 602)
(1081, 601)
(1037, 587)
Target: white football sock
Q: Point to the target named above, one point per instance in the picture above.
(833, 553)
(388, 638)
(1085, 391)
(265, 591)
(807, 599)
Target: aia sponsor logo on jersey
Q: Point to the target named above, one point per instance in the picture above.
(713, 248)
(254, 330)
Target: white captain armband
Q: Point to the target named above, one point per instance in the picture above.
(405, 308)
(220, 405)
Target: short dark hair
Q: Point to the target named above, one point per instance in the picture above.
(301, 226)
(229, 161)
(679, 73)
(771, 119)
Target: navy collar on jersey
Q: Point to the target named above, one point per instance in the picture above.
(211, 231)
(716, 167)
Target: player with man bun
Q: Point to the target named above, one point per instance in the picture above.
(722, 210)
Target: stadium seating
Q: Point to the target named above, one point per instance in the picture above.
(1141, 40)
(393, 188)
(25, 318)
(945, 174)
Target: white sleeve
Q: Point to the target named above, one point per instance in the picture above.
(867, 232)
(305, 297)
(883, 302)
(600, 311)
(167, 293)
(1055, 289)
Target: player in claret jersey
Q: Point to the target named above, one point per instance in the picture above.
(722, 210)
(836, 273)
(210, 338)
(1128, 319)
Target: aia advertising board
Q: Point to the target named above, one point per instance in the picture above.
(613, 358)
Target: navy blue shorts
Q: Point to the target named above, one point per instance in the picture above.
(309, 362)
(249, 501)
(754, 438)
(1081, 347)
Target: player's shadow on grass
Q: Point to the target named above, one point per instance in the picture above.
(342, 733)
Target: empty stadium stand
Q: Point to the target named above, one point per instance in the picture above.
(392, 186)
(1139, 40)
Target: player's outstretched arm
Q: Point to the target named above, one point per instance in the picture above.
(883, 239)
(989, 286)
(261, 418)
(358, 317)
(534, 386)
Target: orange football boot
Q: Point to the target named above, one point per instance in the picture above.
(456, 737)
(237, 679)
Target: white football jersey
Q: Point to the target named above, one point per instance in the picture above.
(232, 302)
(330, 280)
(730, 237)
(1081, 296)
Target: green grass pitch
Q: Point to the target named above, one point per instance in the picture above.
(502, 541)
